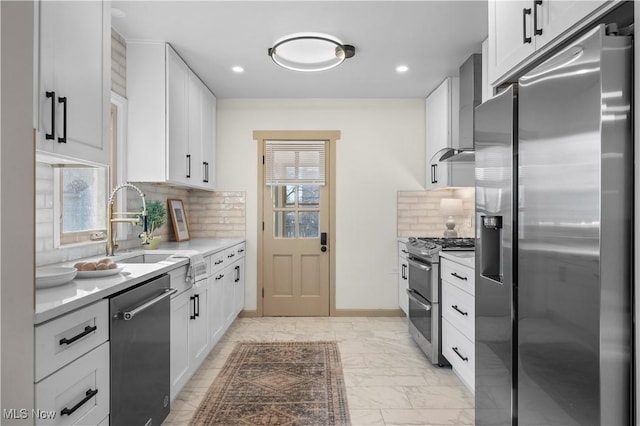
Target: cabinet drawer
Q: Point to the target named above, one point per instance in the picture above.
(460, 352)
(461, 276)
(240, 249)
(459, 308)
(230, 255)
(217, 261)
(60, 341)
(178, 279)
(78, 393)
(402, 251)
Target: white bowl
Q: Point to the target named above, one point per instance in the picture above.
(52, 276)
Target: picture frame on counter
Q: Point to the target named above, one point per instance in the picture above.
(178, 219)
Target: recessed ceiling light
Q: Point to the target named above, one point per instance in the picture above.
(310, 52)
(117, 13)
(402, 68)
(237, 69)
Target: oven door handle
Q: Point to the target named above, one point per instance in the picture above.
(424, 303)
(419, 265)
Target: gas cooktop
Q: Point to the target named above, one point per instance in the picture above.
(429, 246)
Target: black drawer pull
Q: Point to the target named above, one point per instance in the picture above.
(87, 330)
(464, 358)
(536, 31)
(193, 315)
(63, 101)
(51, 135)
(526, 11)
(458, 276)
(217, 262)
(219, 277)
(69, 411)
(241, 251)
(231, 255)
(458, 309)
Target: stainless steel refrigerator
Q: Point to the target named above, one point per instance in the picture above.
(554, 203)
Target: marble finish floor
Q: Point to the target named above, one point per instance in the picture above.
(388, 380)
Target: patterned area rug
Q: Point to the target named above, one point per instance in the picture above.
(277, 383)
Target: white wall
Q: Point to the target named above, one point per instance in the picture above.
(381, 151)
(16, 208)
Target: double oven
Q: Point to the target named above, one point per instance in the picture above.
(425, 324)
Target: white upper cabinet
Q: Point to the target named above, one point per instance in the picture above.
(73, 79)
(517, 29)
(441, 109)
(171, 119)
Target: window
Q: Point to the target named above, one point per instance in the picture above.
(82, 192)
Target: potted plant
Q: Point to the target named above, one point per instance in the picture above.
(156, 217)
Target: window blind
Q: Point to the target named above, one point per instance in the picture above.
(294, 163)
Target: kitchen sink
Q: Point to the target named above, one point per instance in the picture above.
(145, 258)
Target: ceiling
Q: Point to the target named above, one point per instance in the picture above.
(432, 38)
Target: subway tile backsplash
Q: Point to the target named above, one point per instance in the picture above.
(419, 212)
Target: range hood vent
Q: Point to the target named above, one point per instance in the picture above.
(470, 98)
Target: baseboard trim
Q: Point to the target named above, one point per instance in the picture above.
(248, 314)
(369, 313)
(342, 313)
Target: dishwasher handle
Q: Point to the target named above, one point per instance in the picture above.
(129, 314)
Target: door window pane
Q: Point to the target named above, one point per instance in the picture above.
(309, 196)
(309, 225)
(284, 224)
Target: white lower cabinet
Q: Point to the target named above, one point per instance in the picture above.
(458, 319)
(72, 368)
(216, 312)
(403, 278)
(189, 334)
(202, 313)
(180, 311)
(77, 394)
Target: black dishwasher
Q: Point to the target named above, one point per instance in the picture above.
(140, 353)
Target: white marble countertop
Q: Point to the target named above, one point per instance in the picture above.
(466, 258)
(55, 301)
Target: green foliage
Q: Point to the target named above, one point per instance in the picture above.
(157, 214)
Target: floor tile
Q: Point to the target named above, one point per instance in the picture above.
(389, 381)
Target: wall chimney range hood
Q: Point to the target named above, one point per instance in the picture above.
(470, 98)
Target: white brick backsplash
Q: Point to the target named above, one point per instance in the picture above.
(419, 212)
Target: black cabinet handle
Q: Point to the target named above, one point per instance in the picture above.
(526, 11)
(459, 311)
(205, 179)
(404, 271)
(69, 411)
(231, 255)
(193, 305)
(237, 268)
(188, 165)
(434, 173)
(241, 251)
(63, 101)
(219, 277)
(51, 135)
(87, 330)
(217, 262)
(536, 30)
(459, 276)
(464, 358)
(197, 305)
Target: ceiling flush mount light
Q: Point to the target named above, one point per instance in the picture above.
(237, 69)
(310, 52)
(402, 68)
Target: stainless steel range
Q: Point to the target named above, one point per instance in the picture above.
(424, 291)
